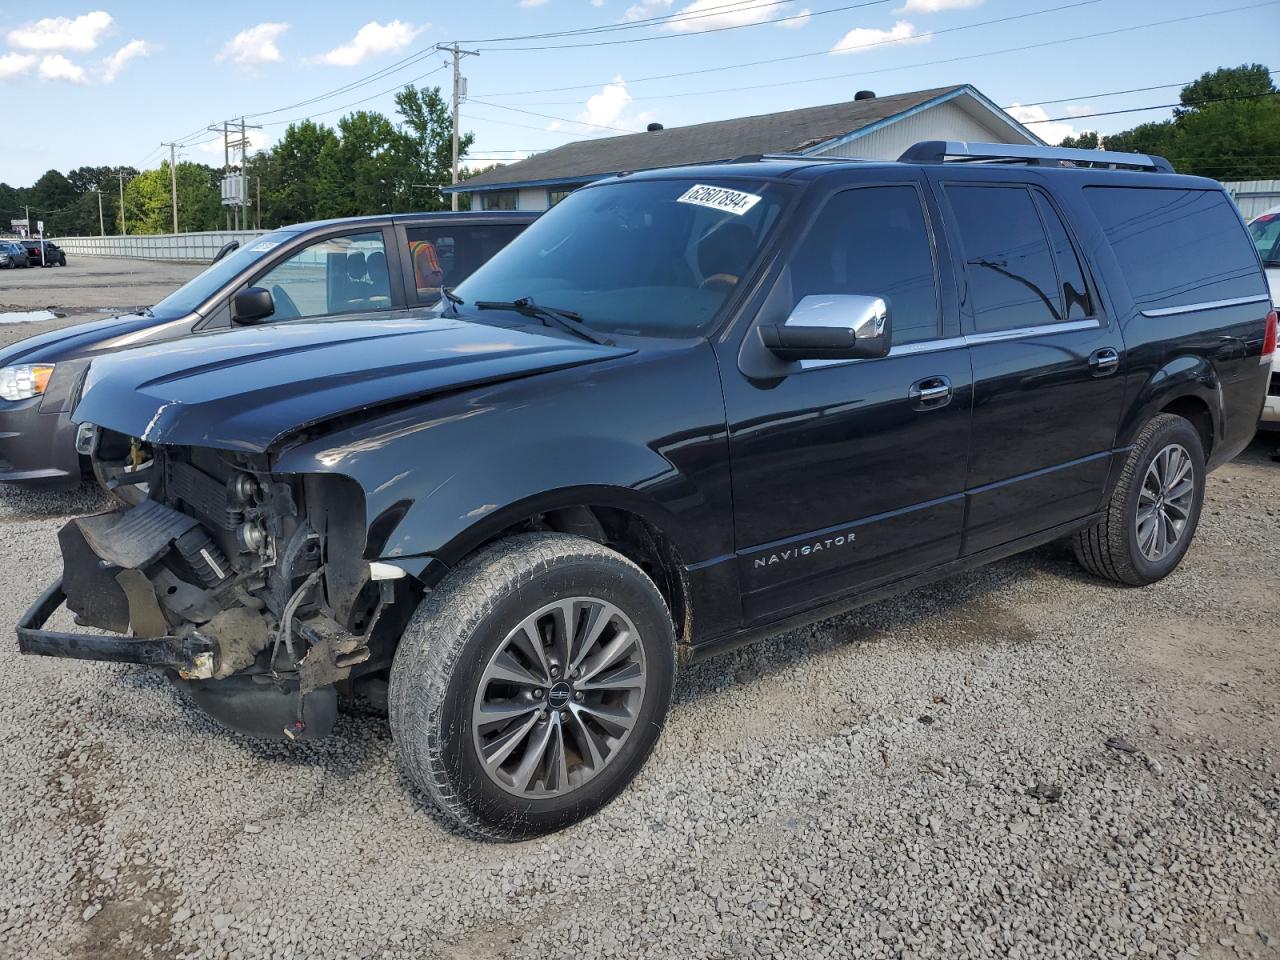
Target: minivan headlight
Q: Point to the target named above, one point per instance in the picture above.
(24, 381)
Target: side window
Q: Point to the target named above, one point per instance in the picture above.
(1011, 277)
(873, 241)
(331, 276)
(447, 255)
(1072, 289)
(1177, 247)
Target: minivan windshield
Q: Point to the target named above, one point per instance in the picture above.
(642, 257)
(204, 285)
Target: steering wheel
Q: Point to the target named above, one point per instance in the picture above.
(286, 309)
(725, 280)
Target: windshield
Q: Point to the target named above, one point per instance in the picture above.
(198, 289)
(1266, 237)
(644, 257)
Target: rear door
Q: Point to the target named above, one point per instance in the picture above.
(844, 475)
(1046, 360)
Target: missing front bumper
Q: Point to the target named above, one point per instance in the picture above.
(190, 656)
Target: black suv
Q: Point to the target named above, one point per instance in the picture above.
(45, 253)
(685, 408)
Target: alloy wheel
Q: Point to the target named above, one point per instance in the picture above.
(559, 697)
(1164, 502)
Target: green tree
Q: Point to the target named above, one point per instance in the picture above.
(149, 204)
(428, 145)
(1246, 80)
(290, 187)
(363, 172)
(1088, 140)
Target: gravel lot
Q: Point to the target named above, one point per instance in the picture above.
(928, 777)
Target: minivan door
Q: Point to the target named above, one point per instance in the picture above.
(1046, 359)
(847, 474)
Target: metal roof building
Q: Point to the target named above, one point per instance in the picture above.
(869, 127)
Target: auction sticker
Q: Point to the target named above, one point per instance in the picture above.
(264, 246)
(720, 198)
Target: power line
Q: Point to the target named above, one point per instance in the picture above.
(911, 66)
(739, 6)
(1155, 106)
(1109, 93)
(547, 116)
(355, 103)
(698, 33)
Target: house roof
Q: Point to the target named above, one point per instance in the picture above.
(791, 131)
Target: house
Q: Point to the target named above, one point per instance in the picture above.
(868, 127)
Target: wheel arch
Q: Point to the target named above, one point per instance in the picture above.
(620, 519)
(1187, 386)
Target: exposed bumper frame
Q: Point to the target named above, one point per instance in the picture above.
(191, 655)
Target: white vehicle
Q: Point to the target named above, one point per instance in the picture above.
(1265, 230)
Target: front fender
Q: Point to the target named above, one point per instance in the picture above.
(440, 477)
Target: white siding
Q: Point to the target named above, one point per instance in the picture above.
(533, 198)
(1254, 197)
(947, 121)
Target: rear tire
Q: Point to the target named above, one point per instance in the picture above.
(1152, 515)
(513, 740)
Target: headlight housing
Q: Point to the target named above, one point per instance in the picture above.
(24, 381)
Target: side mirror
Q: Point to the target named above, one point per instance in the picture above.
(832, 327)
(251, 305)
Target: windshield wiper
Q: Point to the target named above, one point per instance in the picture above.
(451, 303)
(550, 316)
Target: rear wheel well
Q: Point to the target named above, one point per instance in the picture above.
(631, 535)
(1196, 411)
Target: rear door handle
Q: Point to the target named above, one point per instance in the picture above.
(931, 393)
(1104, 360)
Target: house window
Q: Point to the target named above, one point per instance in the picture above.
(500, 200)
(555, 196)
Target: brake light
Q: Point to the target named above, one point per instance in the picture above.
(1269, 341)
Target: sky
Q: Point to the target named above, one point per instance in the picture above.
(108, 84)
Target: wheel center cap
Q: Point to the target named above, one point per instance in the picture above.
(559, 695)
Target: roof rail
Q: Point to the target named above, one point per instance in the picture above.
(960, 151)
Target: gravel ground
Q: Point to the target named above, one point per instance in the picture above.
(1020, 762)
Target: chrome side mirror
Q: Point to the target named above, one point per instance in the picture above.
(834, 326)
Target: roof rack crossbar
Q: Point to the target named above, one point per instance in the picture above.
(943, 151)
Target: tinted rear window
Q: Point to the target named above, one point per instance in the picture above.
(1177, 247)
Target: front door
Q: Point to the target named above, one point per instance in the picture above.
(1047, 396)
(847, 474)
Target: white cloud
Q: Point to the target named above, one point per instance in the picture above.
(646, 9)
(58, 67)
(1079, 109)
(255, 45)
(796, 21)
(532, 3)
(113, 64)
(1052, 132)
(605, 108)
(15, 64)
(63, 33)
(865, 38)
(934, 6)
(713, 14)
(371, 40)
(597, 3)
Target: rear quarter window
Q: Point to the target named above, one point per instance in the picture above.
(1177, 247)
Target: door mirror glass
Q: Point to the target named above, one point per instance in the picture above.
(832, 327)
(252, 304)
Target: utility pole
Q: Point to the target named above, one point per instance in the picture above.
(459, 91)
(173, 180)
(124, 230)
(102, 226)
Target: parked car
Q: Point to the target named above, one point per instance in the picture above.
(367, 267)
(12, 255)
(45, 253)
(686, 408)
(1265, 230)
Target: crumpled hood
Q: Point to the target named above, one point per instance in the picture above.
(76, 340)
(245, 389)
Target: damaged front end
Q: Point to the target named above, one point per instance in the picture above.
(250, 587)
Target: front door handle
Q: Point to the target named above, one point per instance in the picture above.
(931, 393)
(1103, 361)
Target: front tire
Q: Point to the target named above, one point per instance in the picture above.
(530, 687)
(1152, 515)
